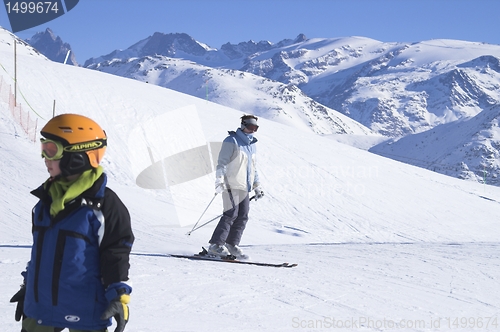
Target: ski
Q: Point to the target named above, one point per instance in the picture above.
(204, 256)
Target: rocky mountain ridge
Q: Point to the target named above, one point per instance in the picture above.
(53, 47)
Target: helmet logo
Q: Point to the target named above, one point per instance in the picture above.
(84, 146)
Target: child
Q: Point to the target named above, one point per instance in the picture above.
(82, 237)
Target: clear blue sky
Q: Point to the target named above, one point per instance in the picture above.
(97, 27)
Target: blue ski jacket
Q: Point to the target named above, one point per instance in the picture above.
(75, 256)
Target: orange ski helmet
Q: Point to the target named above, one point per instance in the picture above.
(83, 142)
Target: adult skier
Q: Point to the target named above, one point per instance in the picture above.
(236, 177)
(82, 237)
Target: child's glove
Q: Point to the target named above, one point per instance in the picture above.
(19, 298)
(119, 296)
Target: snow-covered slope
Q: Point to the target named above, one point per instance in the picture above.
(377, 241)
(467, 149)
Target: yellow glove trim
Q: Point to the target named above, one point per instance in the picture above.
(124, 299)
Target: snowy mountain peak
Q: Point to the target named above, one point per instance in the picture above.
(172, 45)
(485, 61)
(47, 35)
(52, 47)
(300, 38)
(245, 49)
(168, 44)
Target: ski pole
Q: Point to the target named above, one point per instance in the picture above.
(208, 222)
(189, 233)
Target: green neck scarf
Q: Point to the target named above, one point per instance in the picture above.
(63, 191)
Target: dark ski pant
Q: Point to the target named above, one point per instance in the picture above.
(234, 219)
(30, 325)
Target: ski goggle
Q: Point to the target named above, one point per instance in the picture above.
(51, 150)
(250, 124)
(252, 127)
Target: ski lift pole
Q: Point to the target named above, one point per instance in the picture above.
(192, 230)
